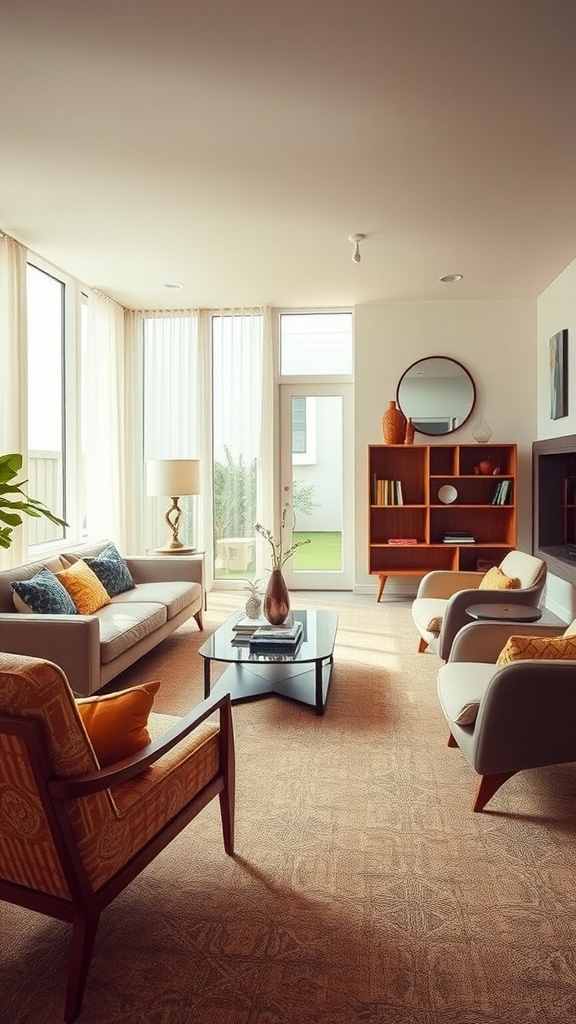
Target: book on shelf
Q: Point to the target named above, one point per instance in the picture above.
(402, 540)
(387, 492)
(458, 537)
(501, 492)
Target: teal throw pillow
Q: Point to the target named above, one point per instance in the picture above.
(45, 594)
(112, 571)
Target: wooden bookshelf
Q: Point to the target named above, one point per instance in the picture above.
(426, 473)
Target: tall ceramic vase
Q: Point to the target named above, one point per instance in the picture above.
(276, 599)
(393, 425)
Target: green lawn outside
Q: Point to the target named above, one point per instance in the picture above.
(323, 554)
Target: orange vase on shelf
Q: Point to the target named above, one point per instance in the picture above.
(409, 432)
(393, 425)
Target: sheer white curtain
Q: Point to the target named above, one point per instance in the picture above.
(103, 393)
(133, 472)
(266, 491)
(171, 412)
(13, 384)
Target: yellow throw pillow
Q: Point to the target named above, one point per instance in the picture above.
(435, 624)
(520, 648)
(495, 579)
(117, 723)
(84, 588)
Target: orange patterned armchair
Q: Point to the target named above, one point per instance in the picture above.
(73, 835)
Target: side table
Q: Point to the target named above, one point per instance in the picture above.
(504, 612)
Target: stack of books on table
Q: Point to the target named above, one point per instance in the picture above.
(270, 639)
(244, 628)
(458, 537)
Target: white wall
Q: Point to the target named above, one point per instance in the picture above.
(556, 310)
(496, 342)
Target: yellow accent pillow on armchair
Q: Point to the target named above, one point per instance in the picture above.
(495, 579)
(519, 648)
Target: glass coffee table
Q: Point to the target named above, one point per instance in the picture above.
(303, 677)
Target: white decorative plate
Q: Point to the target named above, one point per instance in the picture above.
(447, 494)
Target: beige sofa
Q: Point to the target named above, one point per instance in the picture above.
(93, 649)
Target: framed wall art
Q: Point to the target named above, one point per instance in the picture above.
(559, 375)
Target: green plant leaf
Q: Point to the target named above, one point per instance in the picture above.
(10, 465)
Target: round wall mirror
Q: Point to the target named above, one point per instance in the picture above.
(437, 394)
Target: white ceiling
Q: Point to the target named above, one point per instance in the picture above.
(234, 145)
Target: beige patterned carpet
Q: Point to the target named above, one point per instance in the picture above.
(363, 889)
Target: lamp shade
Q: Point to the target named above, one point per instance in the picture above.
(172, 477)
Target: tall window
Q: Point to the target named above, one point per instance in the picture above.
(236, 398)
(315, 344)
(45, 311)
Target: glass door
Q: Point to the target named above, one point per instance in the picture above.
(316, 481)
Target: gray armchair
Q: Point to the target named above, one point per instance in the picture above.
(507, 718)
(439, 608)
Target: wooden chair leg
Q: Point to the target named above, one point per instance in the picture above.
(422, 646)
(451, 740)
(199, 620)
(81, 946)
(487, 787)
(226, 798)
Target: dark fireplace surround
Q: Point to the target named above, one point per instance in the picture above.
(554, 504)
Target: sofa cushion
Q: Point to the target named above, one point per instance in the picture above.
(461, 686)
(123, 624)
(520, 648)
(174, 595)
(116, 723)
(44, 594)
(495, 579)
(84, 588)
(111, 570)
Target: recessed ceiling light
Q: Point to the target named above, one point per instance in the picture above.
(173, 284)
(451, 278)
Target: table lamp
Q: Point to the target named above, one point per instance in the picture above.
(173, 478)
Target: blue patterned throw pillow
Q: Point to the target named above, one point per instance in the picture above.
(45, 594)
(112, 571)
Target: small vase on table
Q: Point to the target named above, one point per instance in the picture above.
(276, 599)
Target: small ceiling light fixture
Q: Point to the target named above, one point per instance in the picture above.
(451, 278)
(356, 253)
(173, 284)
